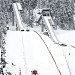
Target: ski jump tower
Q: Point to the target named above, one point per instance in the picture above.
(17, 8)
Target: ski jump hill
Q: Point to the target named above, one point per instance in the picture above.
(29, 50)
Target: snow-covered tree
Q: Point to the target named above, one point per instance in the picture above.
(28, 7)
(3, 17)
(8, 73)
(63, 12)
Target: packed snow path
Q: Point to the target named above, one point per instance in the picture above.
(26, 50)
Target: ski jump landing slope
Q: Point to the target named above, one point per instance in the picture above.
(28, 51)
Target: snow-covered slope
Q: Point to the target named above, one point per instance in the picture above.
(27, 51)
(66, 36)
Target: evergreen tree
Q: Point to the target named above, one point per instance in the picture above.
(63, 12)
(3, 14)
(28, 6)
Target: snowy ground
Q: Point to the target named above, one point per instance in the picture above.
(66, 36)
(26, 51)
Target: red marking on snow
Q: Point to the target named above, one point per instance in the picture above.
(34, 72)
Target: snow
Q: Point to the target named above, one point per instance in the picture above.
(66, 36)
(14, 52)
(27, 51)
